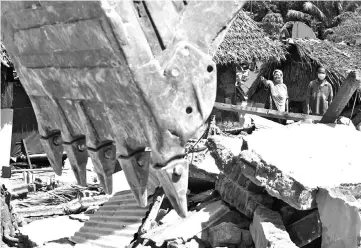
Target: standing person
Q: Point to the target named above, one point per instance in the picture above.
(319, 94)
(277, 98)
(242, 76)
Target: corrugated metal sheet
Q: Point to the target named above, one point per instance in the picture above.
(116, 222)
(113, 225)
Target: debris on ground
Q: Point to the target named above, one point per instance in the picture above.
(254, 197)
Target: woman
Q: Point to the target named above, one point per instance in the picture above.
(277, 98)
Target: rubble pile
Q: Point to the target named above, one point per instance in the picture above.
(275, 188)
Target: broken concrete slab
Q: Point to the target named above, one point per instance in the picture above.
(341, 222)
(292, 172)
(190, 226)
(224, 234)
(267, 230)
(206, 163)
(317, 142)
(224, 149)
(243, 200)
(305, 230)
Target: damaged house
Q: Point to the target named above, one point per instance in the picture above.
(244, 42)
(299, 69)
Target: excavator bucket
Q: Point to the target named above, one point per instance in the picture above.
(119, 81)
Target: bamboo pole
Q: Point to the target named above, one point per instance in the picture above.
(266, 112)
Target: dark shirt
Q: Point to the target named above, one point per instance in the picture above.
(320, 96)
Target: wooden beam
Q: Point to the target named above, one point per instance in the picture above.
(27, 153)
(351, 84)
(357, 119)
(266, 112)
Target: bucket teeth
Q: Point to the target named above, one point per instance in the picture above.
(136, 170)
(104, 162)
(78, 158)
(174, 180)
(54, 149)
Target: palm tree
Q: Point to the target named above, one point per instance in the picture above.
(278, 18)
(345, 26)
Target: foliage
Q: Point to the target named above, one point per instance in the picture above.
(321, 16)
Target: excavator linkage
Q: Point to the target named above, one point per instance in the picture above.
(119, 81)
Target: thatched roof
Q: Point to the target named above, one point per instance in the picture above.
(349, 27)
(301, 64)
(246, 41)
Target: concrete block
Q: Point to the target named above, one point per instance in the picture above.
(267, 230)
(244, 201)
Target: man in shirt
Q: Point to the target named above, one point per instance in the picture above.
(319, 94)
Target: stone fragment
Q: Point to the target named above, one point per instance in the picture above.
(244, 201)
(80, 217)
(267, 230)
(247, 239)
(341, 222)
(224, 234)
(305, 230)
(91, 210)
(236, 218)
(284, 172)
(224, 150)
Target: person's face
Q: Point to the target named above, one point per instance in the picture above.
(321, 74)
(277, 77)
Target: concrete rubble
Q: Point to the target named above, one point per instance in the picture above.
(267, 229)
(242, 194)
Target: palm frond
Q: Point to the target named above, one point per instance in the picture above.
(352, 6)
(338, 6)
(288, 25)
(297, 15)
(313, 10)
(273, 18)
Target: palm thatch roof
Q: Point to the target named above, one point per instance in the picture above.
(349, 27)
(245, 41)
(4, 56)
(301, 64)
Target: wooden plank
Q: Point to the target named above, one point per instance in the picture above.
(351, 84)
(266, 112)
(27, 154)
